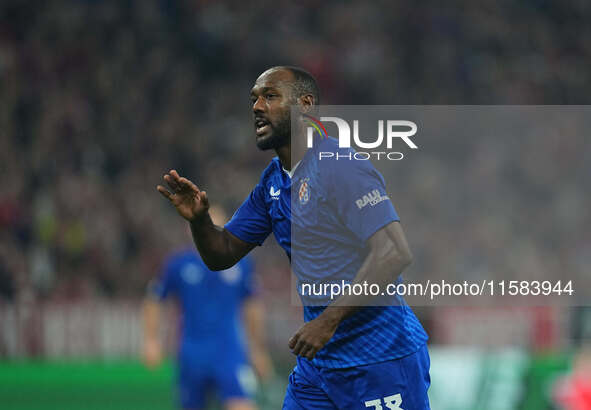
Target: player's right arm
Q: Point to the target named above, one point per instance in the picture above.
(219, 249)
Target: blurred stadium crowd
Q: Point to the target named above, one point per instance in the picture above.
(99, 98)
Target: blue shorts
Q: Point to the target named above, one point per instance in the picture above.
(395, 384)
(230, 377)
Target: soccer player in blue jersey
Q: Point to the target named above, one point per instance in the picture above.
(213, 353)
(351, 354)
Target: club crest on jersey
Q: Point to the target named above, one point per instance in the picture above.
(304, 191)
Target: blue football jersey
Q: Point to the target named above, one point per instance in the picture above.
(210, 301)
(322, 217)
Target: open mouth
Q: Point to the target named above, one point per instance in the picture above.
(262, 126)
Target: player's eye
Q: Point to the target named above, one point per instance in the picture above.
(270, 95)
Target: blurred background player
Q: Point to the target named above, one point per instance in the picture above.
(215, 307)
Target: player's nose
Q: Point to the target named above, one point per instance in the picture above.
(258, 106)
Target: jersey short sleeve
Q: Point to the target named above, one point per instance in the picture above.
(361, 198)
(166, 283)
(251, 222)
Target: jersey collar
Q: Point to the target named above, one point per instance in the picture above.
(292, 171)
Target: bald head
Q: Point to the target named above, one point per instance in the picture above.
(300, 81)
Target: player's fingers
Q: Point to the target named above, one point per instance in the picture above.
(203, 198)
(185, 183)
(175, 175)
(292, 342)
(172, 183)
(164, 192)
(300, 345)
(308, 351)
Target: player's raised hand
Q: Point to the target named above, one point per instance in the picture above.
(189, 201)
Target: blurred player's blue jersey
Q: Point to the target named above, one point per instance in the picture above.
(339, 204)
(210, 301)
(211, 345)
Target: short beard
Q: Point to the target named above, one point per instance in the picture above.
(280, 137)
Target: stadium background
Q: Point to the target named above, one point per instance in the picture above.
(98, 98)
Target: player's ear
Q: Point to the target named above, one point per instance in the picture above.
(307, 103)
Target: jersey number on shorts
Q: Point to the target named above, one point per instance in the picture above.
(391, 402)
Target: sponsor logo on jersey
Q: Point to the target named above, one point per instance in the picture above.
(371, 198)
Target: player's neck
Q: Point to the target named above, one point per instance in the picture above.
(284, 154)
(292, 153)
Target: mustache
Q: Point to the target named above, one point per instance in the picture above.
(262, 120)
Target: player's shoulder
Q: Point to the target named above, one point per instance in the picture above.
(271, 175)
(273, 169)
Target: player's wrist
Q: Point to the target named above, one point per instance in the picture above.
(200, 219)
(332, 317)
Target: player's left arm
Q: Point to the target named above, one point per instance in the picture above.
(389, 254)
(152, 348)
